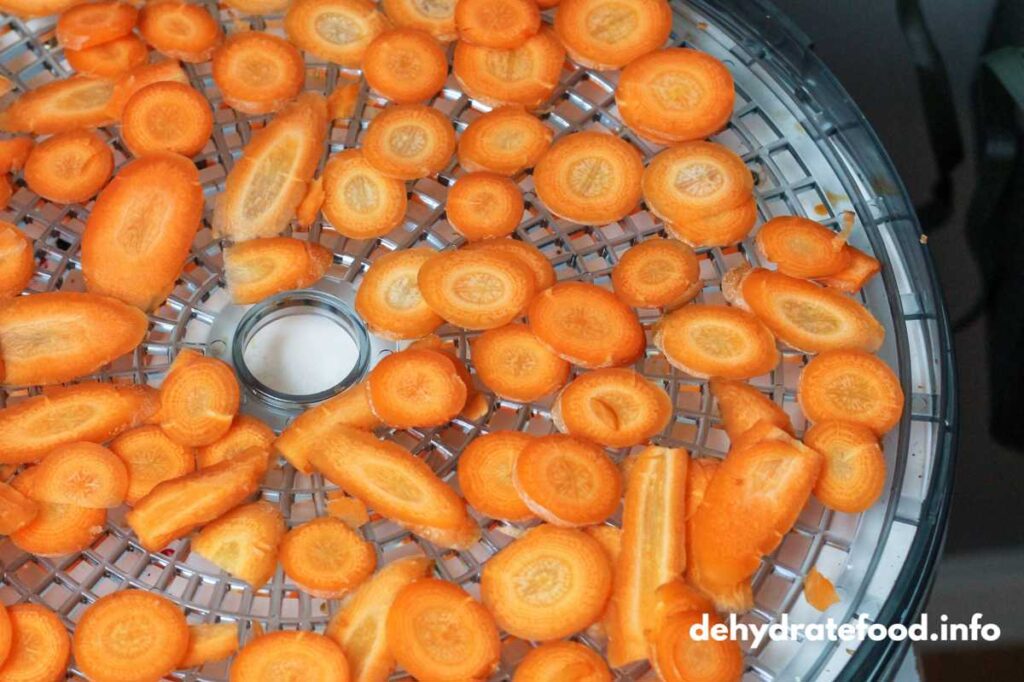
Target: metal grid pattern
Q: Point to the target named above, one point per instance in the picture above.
(796, 173)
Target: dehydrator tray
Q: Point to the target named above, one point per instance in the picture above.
(812, 153)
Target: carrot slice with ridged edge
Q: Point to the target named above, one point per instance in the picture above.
(16, 511)
(851, 386)
(36, 8)
(716, 340)
(395, 484)
(17, 264)
(530, 256)
(130, 636)
(180, 30)
(176, 507)
(168, 70)
(416, 388)
(257, 73)
(676, 656)
(524, 75)
(40, 646)
(389, 298)
(244, 542)
(476, 289)
(57, 529)
(436, 17)
(198, 399)
(82, 474)
(856, 274)
(608, 36)
(405, 65)
(109, 60)
(151, 457)
(506, 140)
(484, 206)
(268, 183)
(94, 23)
(512, 362)
(209, 642)
(69, 167)
(14, 153)
(741, 406)
(257, 6)
(335, 30)
(548, 584)
(360, 201)
(657, 273)
(76, 102)
(437, 631)
(351, 510)
(166, 117)
(555, 661)
(502, 24)
(259, 268)
(853, 475)
(326, 558)
(53, 337)
(245, 432)
(800, 247)
(615, 407)
(590, 178)
(290, 655)
(694, 180)
(720, 229)
(409, 141)
(819, 590)
(485, 475)
(359, 627)
(587, 325)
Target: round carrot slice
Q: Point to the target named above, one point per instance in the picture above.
(675, 95)
(677, 657)
(335, 30)
(82, 474)
(290, 655)
(166, 117)
(37, 8)
(528, 254)
(567, 481)
(409, 141)
(587, 325)
(245, 432)
(360, 201)
(389, 299)
(198, 399)
(657, 273)
(695, 180)
(436, 17)
(58, 529)
(95, 23)
(485, 475)
(555, 661)
(259, 268)
(326, 558)
(720, 229)
(501, 24)
(609, 35)
(109, 60)
(506, 140)
(70, 167)
(590, 178)
(476, 289)
(614, 407)
(40, 646)
(742, 406)
(484, 206)
(17, 264)
(416, 388)
(852, 386)
(853, 473)
(151, 457)
(437, 631)
(716, 340)
(548, 584)
(800, 247)
(405, 65)
(258, 73)
(512, 362)
(180, 30)
(525, 75)
(59, 106)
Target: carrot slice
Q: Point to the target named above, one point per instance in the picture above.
(524, 75)
(341, 103)
(506, 140)
(476, 404)
(326, 558)
(716, 340)
(409, 141)
(17, 263)
(209, 642)
(244, 542)
(720, 229)
(614, 407)
(476, 289)
(503, 24)
(40, 646)
(260, 268)
(800, 247)
(258, 73)
(57, 529)
(245, 432)
(853, 475)
(180, 30)
(360, 201)
(436, 17)
(512, 362)
(695, 180)
(166, 117)
(109, 60)
(14, 153)
(405, 65)
(359, 627)
(395, 484)
(198, 399)
(389, 299)
(548, 584)
(657, 273)
(856, 274)
(168, 70)
(257, 6)
(678, 657)
(741, 406)
(175, 508)
(851, 386)
(36, 8)
(819, 590)
(485, 475)
(587, 325)
(675, 597)
(16, 511)
(484, 206)
(70, 167)
(350, 510)
(296, 655)
(436, 630)
(151, 457)
(416, 388)
(530, 256)
(130, 636)
(589, 177)
(335, 30)
(95, 23)
(81, 474)
(608, 36)
(562, 661)
(53, 337)
(268, 183)
(76, 102)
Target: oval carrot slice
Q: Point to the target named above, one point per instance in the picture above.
(512, 362)
(290, 655)
(485, 475)
(95, 23)
(562, 661)
(326, 558)
(416, 388)
(16, 511)
(720, 229)
(524, 75)
(130, 636)
(14, 152)
(851, 386)
(257, 73)
(528, 254)
(166, 117)
(590, 178)
(587, 325)
(436, 17)
(657, 273)
(198, 399)
(800, 247)
(151, 457)
(856, 274)
(503, 24)
(409, 141)
(17, 263)
(335, 30)
(70, 167)
(484, 206)
(405, 65)
(260, 268)
(677, 657)
(506, 140)
(180, 30)
(476, 289)
(437, 631)
(548, 584)
(694, 180)
(109, 60)
(819, 590)
(614, 407)
(389, 298)
(209, 642)
(607, 36)
(741, 406)
(81, 474)
(57, 529)
(360, 201)
(244, 542)
(168, 70)
(853, 474)
(40, 646)
(716, 340)
(245, 432)
(76, 102)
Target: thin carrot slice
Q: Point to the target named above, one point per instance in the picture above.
(81, 474)
(416, 388)
(609, 36)
(853, 475)
(506, 140)
(694, 180)
(335, 30)
(502, 24)
(427, 617)
(209, 642)
(409, 141)
(70, 167)
(800, 247)
(590, 178)
(395, 484)
(530, 256)
(716, 340)
(678, 657)
(296, 655)
(548, 584)
(326, 558)
(244, 542)
(180, 30)
(36, 8)
(359, 627)
(436, 17)
(512, 362)
(95, 23)
(151, 457)
(259, 268)
(57, 529)
(524, 75)
(166, 117)
(268, 183)
(555, 661)
(476, 404)
(360, 201)
(14, 153)
(350, 510)
(615, 407)
(245, 432)
(741, 406)
(389, 299)
(856, 274)
(341, 103)
(257, 6)
(484, 206)
(610, 539)
(75, 102)
(17, 264)
(476, 289)
(485, 475)
(16, 511)
(175, 508)
(258, 73)
(109, 60)
(720, 229)
(587, 325)
(308, 209)
(40, 646)
(168, 70)
(657, 273)
(405, 65)
(851, 386)
(819, 590)
(54, 337)
(198, 399)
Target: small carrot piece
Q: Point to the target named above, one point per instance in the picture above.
(341, 103)
(198, 399)
(244, 542)
(506, 140)
(40, 646)
(296, 655)
(59, 106)
(16, 511)
(819, 590)
(852, 386)
(512, 362)
(409, 141)
(528, 254)
(389, 298)
(17, 262)
(337, 31)
(485, 475)
(151, 457)
(800, 247)
(95, 23)
(81, 474)
(657, 273)
(605, 37)
(562, 661)
(405, 65)
(209, 642)
(526, 74)
(615, 407)
(166, 117)
(168, 70)
(326, 558)
(69, 168)
(416, 388)
(180, 30)
(259, 268)
(856, 274)
(14, 152)
(109, 60)
(245, 432)
(258, 73)
(484, 206)
(351, 510)
(853, 475)
(503, 24)
(741, 406)
(436, 17)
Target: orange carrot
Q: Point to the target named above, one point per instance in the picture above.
(151, 457)
(245, 432)
(389, 298)
(819, 590)
(16, 511)
(109, 60)
(503, 24)
(14, 152)
(57, 529)
(81, 474)
(485, 475)
(244, 542)
(70, 167)
(562, 661)
(168, 70)
(351, 510)
(166, 117)
(17, 264)
(526, 74)
(741, 406)
(259, 268)
(290, 654)
(436, 17)
(416, 388)
(484, 206)
(326, 558)
(258, 73)
(94, 23)
(40, 646)
(657, 273)
(405, 65)
(800, 247)
(409, 141)
(62, 105)
(198, 399)
(615, 407)
(528, 254)
(506, 140)
(853, 475)
(334, 30)
(512, 362)
(605, 37)
(853, 386)
(180, 30)
(209, 642)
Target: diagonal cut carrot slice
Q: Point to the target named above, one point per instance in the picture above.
(512, 362)
(209, 642)
(109, 60)
(609, 36)
(75, 102)
(852, 386)
(244, 542)
(290, 654)
(506, 140)
(17, 263)
(741, 406)
(389, 299)
(94, 23)
(257, 73)
(40, 645)
(657, 273)
(525, 75)
(326, 558)
(259, 268)
(198, 399)
(406, 65)
(69, 167)
(151, 457)
(501, 24)
(436, 17)
(81, 474)
(562, 661)
(334, 30)
(180, 30)
(245, 432)
(485, 475)
(615, 407)
(853, 475)
(16, 511)
(416, 388)
(409, 141)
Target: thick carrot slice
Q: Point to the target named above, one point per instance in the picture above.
(16, 511)
(587, 325)
(198, 399)
(409, 141)
(484, 206)
(530, 256)
(57, 529)
(53, 337)
(741, 406)
(245, 432)
(175, 508)
(720, 229)
(351, 510)
(109, 60)
(151, 457)
(555, 661)
(436, 17)
(88, 411)
(209, 642)
(17, 264)
(259, 268)
(95, 23)
(168, 70)
(853, 475)
(678, 657)
(40, 646)
(851, 386)
(69, 167)
(548, 584)
(800, 247)
(503, 24)
(589, 177)
(416, 388)
(36, 8)
(405, 65)
(257, 6)
(290, 655)
(506, 140)
(716, 340)
(258, 73)
(244, 542)
(14, 153)
(485, 475)
(694, 180)
(326, 558)
(437, 631)
(856, 274)
(81, 474)
(526, 74)
(513, 363)
(615, 407)
(389, 299)
(75, 102)
(270, 180)
(657, 273)
(819, 590)
(341, 103)
(360, 201)
(609, 36)
(180, 30)
(166, 117)
(335, 30)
